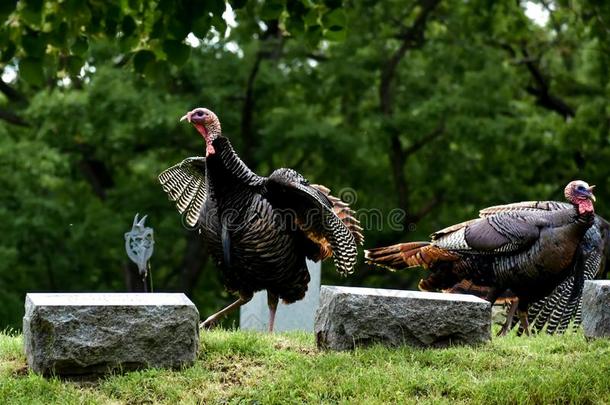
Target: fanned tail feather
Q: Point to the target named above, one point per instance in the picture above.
(400, 256)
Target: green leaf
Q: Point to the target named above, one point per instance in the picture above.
(177, 52)
(311, 18)
(134, 5)
(157, 71)
(332, 4)
(313, 34)
(219, 23)
(30, 70)
(272, 9)
(128, 26)
(95, 25)
(141, 59)
(7, 53)
(335, 20)
(81, 45)
(113, 15)
(158, 29)
(296, 9)
(237, 4)
(74, 64)
(6, 7)
(335, 35)
(59, 36)
(166, 6)
(33, 44)
(216, 7)
(178, 29)
(31, 13)
(201, 26)
(295, 25)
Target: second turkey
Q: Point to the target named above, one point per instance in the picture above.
(517, 247)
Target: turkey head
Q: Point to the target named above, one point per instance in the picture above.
(580, 194)
(208, 125)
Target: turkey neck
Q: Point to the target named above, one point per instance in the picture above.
(226, 173)
(585, 213)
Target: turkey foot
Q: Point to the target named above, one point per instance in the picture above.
(213, 319)
(509, 318)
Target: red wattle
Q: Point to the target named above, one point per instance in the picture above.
(585, 206)
(209, 149)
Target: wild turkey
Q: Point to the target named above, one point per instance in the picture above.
(518, 247)
(562, 306)
(259, 229)
(554, 312)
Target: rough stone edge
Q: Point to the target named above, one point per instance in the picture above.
(589, 292)
(321, 335)
(92, 373)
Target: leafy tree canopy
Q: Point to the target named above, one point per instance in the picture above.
(53, 38)
(418, 112)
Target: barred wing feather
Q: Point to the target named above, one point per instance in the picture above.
(184, 183)
(288, 189)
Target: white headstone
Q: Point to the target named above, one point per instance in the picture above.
(297, 316)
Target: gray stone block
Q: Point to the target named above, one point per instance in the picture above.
(76, 334)
(596, 308)
(350, 317)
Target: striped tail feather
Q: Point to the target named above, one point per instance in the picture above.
(404, 255)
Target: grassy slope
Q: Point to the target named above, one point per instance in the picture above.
(239, 367)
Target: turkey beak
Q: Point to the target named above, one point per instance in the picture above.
(590, 190)
(186, 116)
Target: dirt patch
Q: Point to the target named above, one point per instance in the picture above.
(287, 345)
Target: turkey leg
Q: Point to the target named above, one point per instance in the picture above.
(509, 317)
(208, 323)
(272, 301)
(524, 322)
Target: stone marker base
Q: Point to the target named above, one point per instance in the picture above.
(596, 308)
(85, 334)
(350, 317)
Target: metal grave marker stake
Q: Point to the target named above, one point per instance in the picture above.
(139, 244)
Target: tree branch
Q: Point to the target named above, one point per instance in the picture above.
(542, 89)
(425, 209)
(412, 37)
(98, 176)
(424, 140)
(247, 132)
(10, 92)
(542, 92)
(12, 118)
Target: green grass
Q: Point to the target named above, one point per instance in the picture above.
(253, 368)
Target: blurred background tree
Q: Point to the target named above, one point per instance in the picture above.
(436, 108)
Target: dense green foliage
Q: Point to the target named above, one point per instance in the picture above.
(51, 38)
(238, 367)
(435, 108)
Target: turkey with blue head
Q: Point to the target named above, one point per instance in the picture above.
(518, 247)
